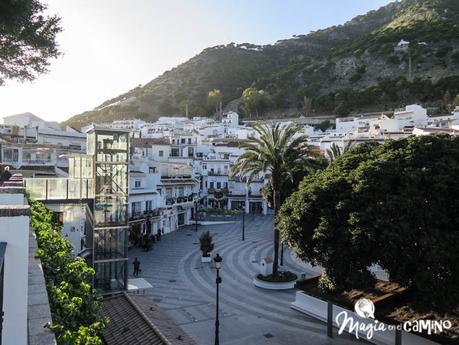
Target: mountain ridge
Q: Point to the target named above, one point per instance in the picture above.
(340, 69)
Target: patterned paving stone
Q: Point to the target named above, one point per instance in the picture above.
(185, 288)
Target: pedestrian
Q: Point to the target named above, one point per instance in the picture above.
(137, 270)
(6, 175)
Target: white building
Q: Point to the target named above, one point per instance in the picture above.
(35, 147)
(145, 200)
(23, 297)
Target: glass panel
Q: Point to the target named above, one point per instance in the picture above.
(110, 276)
(74, 189)
(110, 244)
(36, 187)
(87, 167)
(111, 179)
(110, 211)
(107, 142)
(57, 188)
(90, 143)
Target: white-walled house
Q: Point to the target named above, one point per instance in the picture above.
(73, 217)
(180, 190)
(145, 200)
(24, 305)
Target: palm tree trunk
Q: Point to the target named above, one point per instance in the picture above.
(276, 195)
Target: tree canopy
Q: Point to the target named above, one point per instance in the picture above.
(255, 101)
(393, 204)
(27, 39)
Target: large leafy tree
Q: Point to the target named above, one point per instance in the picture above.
(275, 151)
(394, 204)
(27, 39)
(255, 101)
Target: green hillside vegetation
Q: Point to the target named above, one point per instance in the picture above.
(342, 69)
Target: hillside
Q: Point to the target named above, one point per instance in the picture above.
(341, 69)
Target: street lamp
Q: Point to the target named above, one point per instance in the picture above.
(196, 215)
(243, 223)
(196, 212)
(218, 264)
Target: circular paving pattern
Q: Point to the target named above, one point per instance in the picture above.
(185, 287)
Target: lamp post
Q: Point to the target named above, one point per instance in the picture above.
(196, 212)
(196, 215)
(218, 263)
(243, 223)
(282, 254)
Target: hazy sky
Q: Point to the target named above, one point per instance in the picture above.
(111, 46)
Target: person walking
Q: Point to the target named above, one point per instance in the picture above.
(137, 270)
(5, 176)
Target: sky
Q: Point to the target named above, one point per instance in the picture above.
(112, 46)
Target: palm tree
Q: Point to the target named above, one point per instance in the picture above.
(335, 151)
(275, 151)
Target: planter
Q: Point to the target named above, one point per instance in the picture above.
(272, 285)
(317, 308)
(206, 258)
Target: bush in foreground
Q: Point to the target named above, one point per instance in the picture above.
(75, 307)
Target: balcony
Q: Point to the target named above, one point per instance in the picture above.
(179, 200)
(144, 214)
(218, 191)
(217, 173)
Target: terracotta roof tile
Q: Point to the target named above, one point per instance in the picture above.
(135, 319)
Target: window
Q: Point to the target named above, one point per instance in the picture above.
(175, 152)
(135, 207)
(152, 170)
(148, 205)
(58, 217)
(183, 141)
(181, 191)
(169, 192)
(189, 140)
(137, 184)
(10, 155)
(211, 185)
(219, 185)
(161, 153)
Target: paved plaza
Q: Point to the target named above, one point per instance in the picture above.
(185, 288)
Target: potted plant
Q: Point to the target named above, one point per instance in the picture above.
(205, 242)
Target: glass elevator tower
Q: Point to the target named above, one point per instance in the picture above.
(109, 149)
